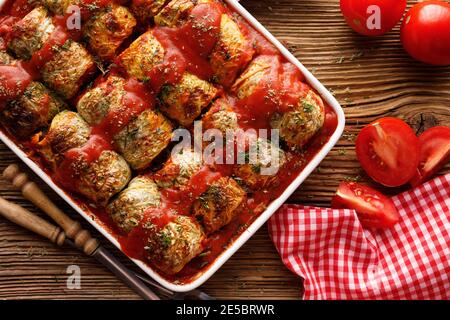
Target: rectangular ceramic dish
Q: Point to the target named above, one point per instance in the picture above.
(272, 208)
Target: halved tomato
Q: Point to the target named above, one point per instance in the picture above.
(388, 151)
(434, 153)
(374, 209)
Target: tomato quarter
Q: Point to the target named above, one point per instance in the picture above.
(434, 153)
(374, 209)
(373, 17)
(388, 151)
(426, 32)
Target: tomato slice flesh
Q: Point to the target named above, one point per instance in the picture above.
(388, 151)
(385, 148)
(374, 209)
(434, 153)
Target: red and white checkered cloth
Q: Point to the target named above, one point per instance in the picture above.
(338, 259)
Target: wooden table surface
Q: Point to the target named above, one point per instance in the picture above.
(371, 78)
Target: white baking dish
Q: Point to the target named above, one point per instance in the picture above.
(259, 222)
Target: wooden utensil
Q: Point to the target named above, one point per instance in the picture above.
(28, 220)
(82, 238)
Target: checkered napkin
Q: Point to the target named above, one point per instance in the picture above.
(338, 259)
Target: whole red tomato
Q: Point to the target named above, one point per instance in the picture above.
(426, 32)
(373, 17)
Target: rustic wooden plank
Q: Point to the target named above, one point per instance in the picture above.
(370, 77)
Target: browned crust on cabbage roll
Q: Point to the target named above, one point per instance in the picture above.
(69, 68)
(32, 111)
(108, 29)
(261, 173)
(303, 122)
(231, 54)
(30, 34)
(102, 178)
(185, 101)
(67, 130)
(145, 10)
(143, 139)
(175, 13)
(178, 170)
(220, 204)
(127, 210)
(175, 245)
(142, 56)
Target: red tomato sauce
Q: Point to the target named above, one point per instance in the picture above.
(16, 8)
(61, 23)
(257, 203)
(57, 39)
(136, 100)
(187, 49)
(279, 89)
(173, 202)
(14, 80)
(76, 159)
(6, 29)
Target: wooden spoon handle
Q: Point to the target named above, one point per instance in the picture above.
(82, 238)
(28, 220)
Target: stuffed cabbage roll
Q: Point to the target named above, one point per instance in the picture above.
(97, 179)
(145, 10)
(185, 101)
(263, 160)
(221, 116)
(68, 70)
(142, 56)
(175, 13)
(69, 64)
(143, 139)
(231, 54)
(259, 73)
(95, 104)
(60, 7)
(127, 210)
(139, 141)
(67, 130)
(34, 110)
(101, 179)
(178, 170)
(174, 245)
(182, 102)
(305, 120)
(30, 34)
(220, 204)
(108, 29)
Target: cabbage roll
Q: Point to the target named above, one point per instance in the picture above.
(220, 204)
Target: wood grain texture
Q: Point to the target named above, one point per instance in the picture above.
(370, 77)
